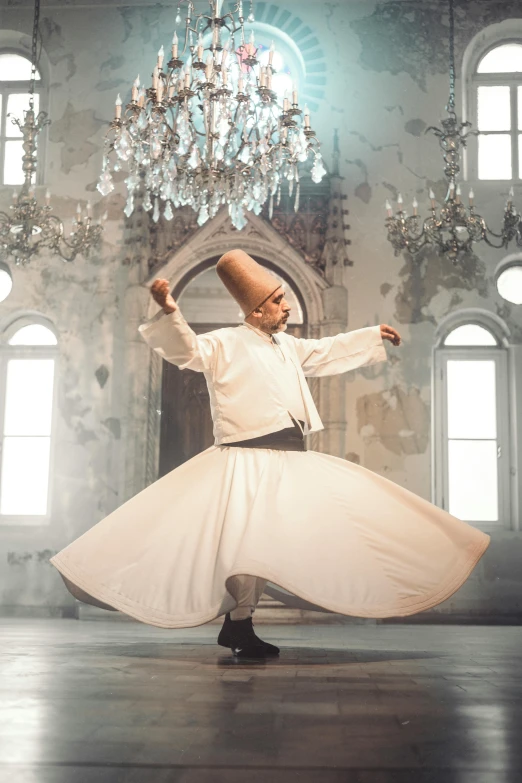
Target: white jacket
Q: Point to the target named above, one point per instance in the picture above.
(240, 372)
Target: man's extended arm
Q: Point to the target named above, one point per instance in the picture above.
(343, 352)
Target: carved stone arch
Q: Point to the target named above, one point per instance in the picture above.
(258, 239)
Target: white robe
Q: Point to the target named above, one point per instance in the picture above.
(326, 531)
(241, 369)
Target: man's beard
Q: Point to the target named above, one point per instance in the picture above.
(277, 326)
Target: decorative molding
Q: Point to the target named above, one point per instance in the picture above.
(259, 239)
(472, 315)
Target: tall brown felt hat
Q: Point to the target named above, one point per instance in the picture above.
(247, 281)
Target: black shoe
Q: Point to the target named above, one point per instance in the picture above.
(239, 636)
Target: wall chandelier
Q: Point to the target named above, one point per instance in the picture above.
(210, 130)
(31, 227)
(454, 229)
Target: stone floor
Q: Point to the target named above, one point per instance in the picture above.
(106, 702)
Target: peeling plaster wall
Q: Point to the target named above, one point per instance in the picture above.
(386, 82)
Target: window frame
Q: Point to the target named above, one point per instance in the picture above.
(513, 80)
(8, 352)
(509, 261)
(440, 473)
(17, 87)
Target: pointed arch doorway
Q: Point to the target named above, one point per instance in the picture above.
(186, 423)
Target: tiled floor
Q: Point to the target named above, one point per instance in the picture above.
(108, 702)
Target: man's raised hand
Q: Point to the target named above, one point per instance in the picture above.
(391, 334)
(160, 291)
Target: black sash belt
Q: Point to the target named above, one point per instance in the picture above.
(289, 439)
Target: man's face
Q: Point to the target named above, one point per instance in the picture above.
(274, 313)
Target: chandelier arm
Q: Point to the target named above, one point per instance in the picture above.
(502, 244)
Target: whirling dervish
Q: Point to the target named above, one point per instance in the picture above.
(257, 506)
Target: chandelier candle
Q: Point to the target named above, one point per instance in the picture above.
(210, 131)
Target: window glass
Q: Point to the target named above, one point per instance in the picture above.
(506, 58)
(25, 476)
(17, 103)
(14, 67)
(509, 284)
(494, 156)
(472, 407)
(26, 437)
(473, 480)
(6, 284)
(494, 108)
(13, 173)
(27, 421)
(470, 334)
(33, 334)
(14, 71)
(29, 396)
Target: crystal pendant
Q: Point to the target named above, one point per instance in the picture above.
(244, 155)
(123, 145)
(132, 182)
(318, 170)
(142, 121)
(105, 185)
(194, 159)
(297, 194)
(129, 206)
(155, 147)
(156, 212)
(147, 203)
(237, 216)
(203, 215)
(167, 212)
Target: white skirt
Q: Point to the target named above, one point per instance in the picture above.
(325, 530)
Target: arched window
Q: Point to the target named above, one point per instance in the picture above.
(497, 109)
(288, 63)
(28, 357)
(471, 422)
(15, 75)
(508, 277)
(6, 281)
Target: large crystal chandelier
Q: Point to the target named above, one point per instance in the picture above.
(31, 227)
(454, 229)
(210, 130)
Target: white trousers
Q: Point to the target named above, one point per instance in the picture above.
(247, 591)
